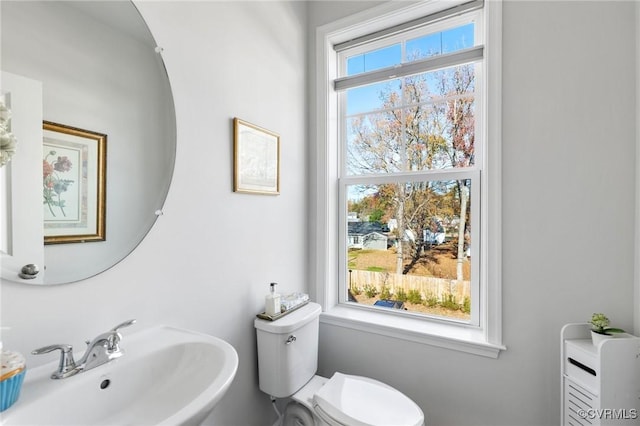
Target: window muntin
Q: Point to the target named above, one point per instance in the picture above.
(423, 125)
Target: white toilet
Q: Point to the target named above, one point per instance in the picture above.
(287, 364)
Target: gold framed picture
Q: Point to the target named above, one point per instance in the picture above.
(74, 184)
(256, 153)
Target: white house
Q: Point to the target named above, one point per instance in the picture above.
(366, 235)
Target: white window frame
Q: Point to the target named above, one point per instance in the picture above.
(484, 339)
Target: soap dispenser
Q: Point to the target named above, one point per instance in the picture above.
(272, 301)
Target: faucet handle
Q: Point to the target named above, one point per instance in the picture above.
(114, 339)
(67, 365)
(124, 324)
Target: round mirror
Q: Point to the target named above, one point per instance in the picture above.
(101, 72)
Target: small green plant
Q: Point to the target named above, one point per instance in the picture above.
(600, 325)
(414, 296)
(431, 300)
(466, 305)
(400, 295)
(449, 302)
(385, 293)
(370, 291)
(356, 290)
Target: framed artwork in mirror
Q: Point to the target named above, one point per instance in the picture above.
(74, 184)
(256, 153)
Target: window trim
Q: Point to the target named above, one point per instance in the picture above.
(430, 18)
(485, 340)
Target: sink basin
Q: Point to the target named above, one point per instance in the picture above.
(167, 376)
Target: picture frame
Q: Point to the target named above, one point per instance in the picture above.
(74, 184)
(256, 153)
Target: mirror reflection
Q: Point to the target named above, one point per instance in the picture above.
(100, 71)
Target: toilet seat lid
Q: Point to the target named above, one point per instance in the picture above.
(361, 401)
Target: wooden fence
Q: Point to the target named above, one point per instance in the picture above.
(428, 287)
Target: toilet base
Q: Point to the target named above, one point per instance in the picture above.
(296, 414)
(299, 412)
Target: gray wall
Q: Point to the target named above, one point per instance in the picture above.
(568, 209)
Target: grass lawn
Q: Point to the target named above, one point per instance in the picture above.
(438, 261)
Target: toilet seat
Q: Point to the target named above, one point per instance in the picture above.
(361, 401)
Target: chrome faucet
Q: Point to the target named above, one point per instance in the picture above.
(67, 366)
(104, 348)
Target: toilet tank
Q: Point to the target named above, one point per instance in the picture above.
(288, 350)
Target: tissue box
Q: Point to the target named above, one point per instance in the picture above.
(10, 389)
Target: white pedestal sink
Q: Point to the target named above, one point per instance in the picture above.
(167, 376)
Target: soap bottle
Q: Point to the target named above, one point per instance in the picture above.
(272, 301)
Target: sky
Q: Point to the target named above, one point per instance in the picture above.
(366, 98)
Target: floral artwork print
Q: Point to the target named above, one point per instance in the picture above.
(73, 184)
(54, 182)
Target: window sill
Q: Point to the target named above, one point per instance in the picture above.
(449, 336)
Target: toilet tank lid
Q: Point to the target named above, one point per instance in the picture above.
(290, 322)
(361, 401)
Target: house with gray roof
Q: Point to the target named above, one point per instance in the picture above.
(367, 235)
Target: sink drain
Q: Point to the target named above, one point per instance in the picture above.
(105, 384)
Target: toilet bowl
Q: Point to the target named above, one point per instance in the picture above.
(346, 400)
(287, 365)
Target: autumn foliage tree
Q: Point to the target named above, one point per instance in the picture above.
(425, 122)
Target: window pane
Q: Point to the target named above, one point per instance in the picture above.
(435, 85)
(441, 42)
(375, 59)
(374, 143)
(439, 136)
(408, 247)
(373, 97)
(434, 130)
